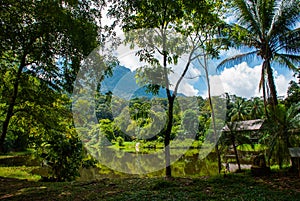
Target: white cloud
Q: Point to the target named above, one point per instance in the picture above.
(216, 86)
(243, 81)
(230, 18)
(187, 89)
(282, 83)
(127, 58)
(191, 77)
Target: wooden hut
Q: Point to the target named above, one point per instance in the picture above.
(295, 156)
(253, 129)
(252, 126)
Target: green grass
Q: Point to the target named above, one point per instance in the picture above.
(248, 147)
(232, 187)
(14, 154)
(19, 172)
(276, 168)
(18, 183)
(144, 146)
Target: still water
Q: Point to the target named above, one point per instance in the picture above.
(188, 165)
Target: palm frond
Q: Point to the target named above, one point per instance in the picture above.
(246, 16)
(291, 61)
(265, 12)
(237, 59)
(241, 35)
(286, 16)
(290, 41)
(293, 117)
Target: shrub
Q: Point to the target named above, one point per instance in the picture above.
(120, 141)
(64, 155)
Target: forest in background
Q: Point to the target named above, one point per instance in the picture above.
(43, 45)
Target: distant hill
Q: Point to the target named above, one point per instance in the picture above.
(123, 84)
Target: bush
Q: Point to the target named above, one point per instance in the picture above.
(150, 145)
(120, 141)
(64, 155)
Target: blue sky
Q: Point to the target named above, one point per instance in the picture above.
(242, 79)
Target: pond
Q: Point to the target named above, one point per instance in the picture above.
(190, 164)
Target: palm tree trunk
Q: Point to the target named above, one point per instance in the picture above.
(271, 84)
(263, 86)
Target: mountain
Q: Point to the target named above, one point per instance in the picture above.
(123, 84)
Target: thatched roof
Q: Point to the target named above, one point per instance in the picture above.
(249, 125)
(295, 152)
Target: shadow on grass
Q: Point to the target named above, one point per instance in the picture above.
(232, 187)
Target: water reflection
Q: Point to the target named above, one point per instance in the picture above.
(188, 165)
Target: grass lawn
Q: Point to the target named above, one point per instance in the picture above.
(232, 187)
(19, 172)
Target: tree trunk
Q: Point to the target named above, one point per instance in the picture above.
(219, 157)
(171, 98)
(212, 115)
(271, 84)
(263, 86)
(235, 151)
(214, 128)
(168, 137)
(170, 112)
(11, 105)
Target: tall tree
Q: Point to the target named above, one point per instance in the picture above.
(161, 43)
(46, 39)
(268, 26)
(169, 36)
(208, 36)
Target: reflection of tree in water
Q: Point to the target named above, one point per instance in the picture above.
(187, 165)
(131, 163)
(191, 165)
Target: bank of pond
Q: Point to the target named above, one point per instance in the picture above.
(138, 160)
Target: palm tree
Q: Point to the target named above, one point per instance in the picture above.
(285, 132)
(268, 26)
(256, 108)
(238, 110)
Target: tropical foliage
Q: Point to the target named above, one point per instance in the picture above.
(41, 50)
(44, 44)
(268, 27)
